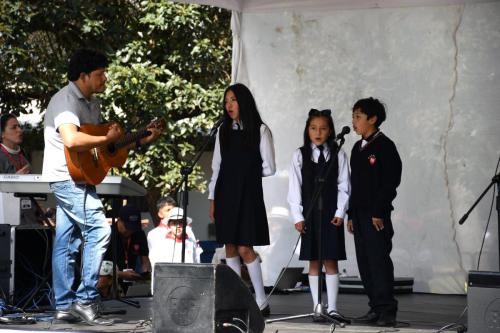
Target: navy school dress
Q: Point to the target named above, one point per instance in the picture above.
(240, 213)
(332, 237)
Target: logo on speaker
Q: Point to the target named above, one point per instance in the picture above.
(492, 315)
(183, 306)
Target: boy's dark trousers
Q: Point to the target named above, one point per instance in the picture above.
(373, 250)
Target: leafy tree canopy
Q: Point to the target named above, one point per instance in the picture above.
(167, 60)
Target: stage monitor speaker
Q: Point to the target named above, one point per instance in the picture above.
(202, 298)
(483, 300)
(5, 262)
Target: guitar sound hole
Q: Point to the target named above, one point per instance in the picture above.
(111, 148)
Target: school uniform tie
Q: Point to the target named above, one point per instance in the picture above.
(321, 158)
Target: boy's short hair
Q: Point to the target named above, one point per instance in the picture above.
(166, 200)
(371, 107)
(85, 61)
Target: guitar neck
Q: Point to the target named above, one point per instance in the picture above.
(128, 139)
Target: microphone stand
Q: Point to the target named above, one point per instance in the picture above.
(494, 180)
(185, 172)
(317, 200)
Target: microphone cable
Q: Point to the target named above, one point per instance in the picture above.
(280, 276)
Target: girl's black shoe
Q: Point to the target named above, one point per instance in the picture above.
(266, 312)
(338, 317)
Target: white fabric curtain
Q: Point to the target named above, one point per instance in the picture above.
(237, 49)
(254, 6)
(438, 71)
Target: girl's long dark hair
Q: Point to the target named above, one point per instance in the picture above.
(249, 116)
(331, 139)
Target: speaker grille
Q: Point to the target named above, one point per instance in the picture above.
(184, 298)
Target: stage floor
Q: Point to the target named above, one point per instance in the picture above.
(418, 313)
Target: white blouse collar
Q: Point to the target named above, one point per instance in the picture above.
(325, 147)
(11, 151)
(237, 125)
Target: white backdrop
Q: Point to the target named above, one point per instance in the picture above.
(437, 69)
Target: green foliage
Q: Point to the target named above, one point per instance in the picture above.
(37, 37)
(167, 60)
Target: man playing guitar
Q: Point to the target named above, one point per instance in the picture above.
(80, 213)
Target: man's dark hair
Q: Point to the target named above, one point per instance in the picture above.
(371, 107)
(85, 61)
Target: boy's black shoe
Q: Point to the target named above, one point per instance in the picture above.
(65, 316)
(89, 313)
(370, 317)
(386, 319)
(339, 317)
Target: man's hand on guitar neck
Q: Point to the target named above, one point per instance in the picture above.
(155, 133)
(114, 132)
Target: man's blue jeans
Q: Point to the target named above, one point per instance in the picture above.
(80, 220)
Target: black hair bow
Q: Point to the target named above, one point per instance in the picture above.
(315, 112)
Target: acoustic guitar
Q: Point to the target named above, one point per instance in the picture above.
(92, 166)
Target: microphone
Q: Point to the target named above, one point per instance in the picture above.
(345, 130)
(462, 220)
(215, 128)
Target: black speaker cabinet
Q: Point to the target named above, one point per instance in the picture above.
(5, 262)
(25, 262)
(202, 298)
(483, 300)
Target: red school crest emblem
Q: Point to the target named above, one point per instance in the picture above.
(372, 159)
